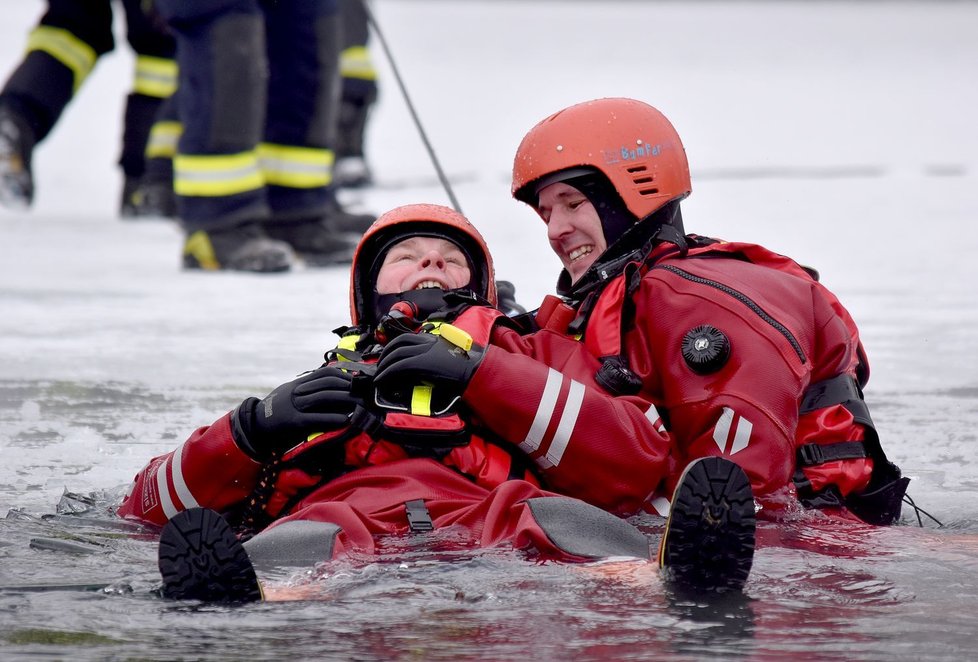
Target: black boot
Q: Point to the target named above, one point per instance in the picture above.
(200, 558)
(318, 244)
(241, 248)
(324, 240)
(351, 169)
(16, 147)
(351, 224)
(147, 199)
(708, 544)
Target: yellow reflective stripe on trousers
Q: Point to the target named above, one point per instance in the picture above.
(355, 62)
(155, 76)
(213, 175)
(296, 167)
(66, 48)
(163, 139)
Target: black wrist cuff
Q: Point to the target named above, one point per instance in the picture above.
(242, 429)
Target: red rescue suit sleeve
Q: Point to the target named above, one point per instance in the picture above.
(538, 392)
(207, 470)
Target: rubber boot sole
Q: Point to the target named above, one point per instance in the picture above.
(200, 558)
(708, 544)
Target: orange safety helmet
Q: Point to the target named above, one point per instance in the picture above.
(631, 143)
(417, 220)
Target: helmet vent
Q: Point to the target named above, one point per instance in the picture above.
(644, 180)
(638, 168)
(648, 191)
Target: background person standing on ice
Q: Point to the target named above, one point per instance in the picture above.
(742, 351)
(258, 101)
(61, 52)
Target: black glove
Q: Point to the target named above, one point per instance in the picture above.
(317, 401)
(424, 357)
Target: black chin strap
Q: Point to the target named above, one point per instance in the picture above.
(672, 235)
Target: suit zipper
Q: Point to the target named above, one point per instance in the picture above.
(744, 299)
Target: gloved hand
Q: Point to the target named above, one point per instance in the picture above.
(317, 401)
(415, 357)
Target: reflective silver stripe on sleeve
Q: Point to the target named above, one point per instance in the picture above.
(545, 411)
(661, 505)
(179, 484)
(164, 489)
(568, 420)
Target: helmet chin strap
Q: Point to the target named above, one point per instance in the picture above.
(672, 230)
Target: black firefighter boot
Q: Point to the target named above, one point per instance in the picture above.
(16, 146)
(351, 169)
(708, 544)
(243, 247)
(324, 240)
(147, 198)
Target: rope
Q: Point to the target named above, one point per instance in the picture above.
(414, 115)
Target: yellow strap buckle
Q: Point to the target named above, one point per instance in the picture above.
(456, 336)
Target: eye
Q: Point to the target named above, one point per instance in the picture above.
(398, 256)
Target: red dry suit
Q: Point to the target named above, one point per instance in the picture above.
(785, 403)
(361, 481)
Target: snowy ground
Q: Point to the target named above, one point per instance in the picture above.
(840, 133)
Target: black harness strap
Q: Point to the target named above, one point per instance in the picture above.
(838, 390)
(879, 503)
(810, 455)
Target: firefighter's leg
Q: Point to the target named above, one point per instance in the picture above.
(154, 81)
(61, 52)
(358, 95)
(223, 83)
(153, 195)
(297, 153)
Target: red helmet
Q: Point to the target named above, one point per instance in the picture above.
(419, 220)
(629, 142)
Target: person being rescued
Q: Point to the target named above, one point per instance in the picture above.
(327, 462)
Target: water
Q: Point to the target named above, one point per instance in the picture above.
(839, 133)
(858, 592)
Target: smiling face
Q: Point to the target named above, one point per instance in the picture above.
(573, 227)
(422, 262)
